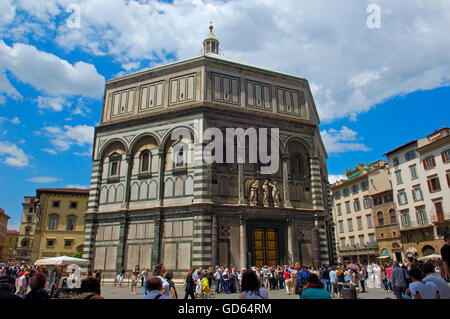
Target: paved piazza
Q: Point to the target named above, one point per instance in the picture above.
(111, 292)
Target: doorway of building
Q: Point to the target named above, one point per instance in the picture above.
(398, 256)
(265, 245)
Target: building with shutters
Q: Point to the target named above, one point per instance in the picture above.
(153, 202)
(420, 177)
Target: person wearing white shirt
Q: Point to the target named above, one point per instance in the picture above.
(154, 287)
(432, 277)
(418, 289)
(160, 270)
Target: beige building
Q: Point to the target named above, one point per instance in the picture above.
(352, 214)
(3, 228)
(420, 176)
(60, 229)
(26, 232)
(8, 254)
(52, 224)
(387, 229)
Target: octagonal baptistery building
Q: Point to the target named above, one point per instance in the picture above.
(151, 202)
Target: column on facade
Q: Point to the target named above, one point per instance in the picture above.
(214, 241)
(90, 218)
(202, 242)
(161, 163)
(316, 183)
(126, 198)
(202, 176)
(284, 165)
(243, 241)
(123, 234)
(291, 241)
(241, 184)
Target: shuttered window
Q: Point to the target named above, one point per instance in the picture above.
(225, 88)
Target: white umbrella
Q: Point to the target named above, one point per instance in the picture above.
(62, 260)
(433, 256)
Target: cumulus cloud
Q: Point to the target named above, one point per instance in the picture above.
(14, 155)
(342, 141)
(43, 180)
(334, 178)
(350, 67)
(64, 138)
(77, 186)
(54, 103)
(47, 73)
(14, 120)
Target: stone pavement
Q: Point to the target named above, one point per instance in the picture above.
(111, 292)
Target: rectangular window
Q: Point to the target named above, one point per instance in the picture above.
(347, 206)
(339, 210)
(352, 241)
(395, 161)
(417, 193)
(68, 243)
(159, 94)
(114, 171)
(341, 226)
(73, 205)
(445, 156)
(350, 224)
(413, 171)
(447, 175)
(267, 100)
(50, 243)
(429, 162)
(388, 198)
(365, 185)
(337, 195)
(346, 192)
(410, 155)
(71, 224)
(433, 184)
(226, 89)
(174, 89)
(355, 189)
(402, 199)
(372, 238)
(116, 102)
(421, 216)
(53, 223)
(130, 101)
(361, 240)
(356, 205)
(182, 90)
(250, 94)
(367, 202)
(359, 222)
(377, 201)
(30, 210)
(288, 101)
(342, 243)
(55, 204)
(369, 221)
(405, 220)
(439, 210)
(258, 95)
(398, 175)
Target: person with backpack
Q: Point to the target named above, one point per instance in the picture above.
(154, 289)
(301, 280)
(399, 280)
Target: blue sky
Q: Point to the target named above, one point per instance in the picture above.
(375, 88)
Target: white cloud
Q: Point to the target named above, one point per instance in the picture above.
(47, 73)
(77, 186)
(43, 180)
(350, 67)
(14, 155)
(54, 103)
(342, 141)
(15, 120)
(334, 178)
(64, 138)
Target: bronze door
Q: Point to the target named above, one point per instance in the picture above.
(265, 243)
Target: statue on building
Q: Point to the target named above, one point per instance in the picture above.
(266, 193)
(275, 194)
(253, 192)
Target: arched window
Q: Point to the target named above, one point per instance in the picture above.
(53, 222)
(27, 230)
(114, 165)
(380, 219)
(71, 223)
(145, 161)
(180, 158)
(392, 216)
(24, 243)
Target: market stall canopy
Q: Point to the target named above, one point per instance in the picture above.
(433, 256)
(62, 260)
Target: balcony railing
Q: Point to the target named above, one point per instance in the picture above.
(415, 224)
(435, 218)
(357, 246)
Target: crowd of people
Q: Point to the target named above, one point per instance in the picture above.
(41, 283)
(412, 280)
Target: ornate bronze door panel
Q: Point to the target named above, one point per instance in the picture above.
(265, 243)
